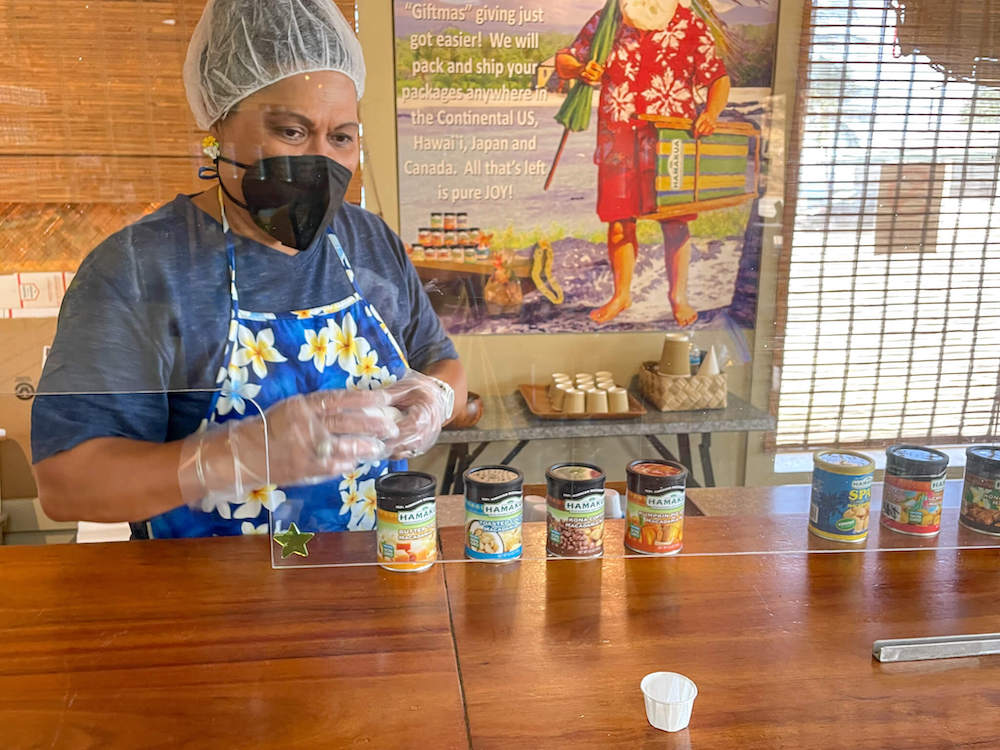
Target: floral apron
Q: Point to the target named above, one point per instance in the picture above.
(271, 356)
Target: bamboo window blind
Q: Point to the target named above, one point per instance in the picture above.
(95, 129)
(889, 291)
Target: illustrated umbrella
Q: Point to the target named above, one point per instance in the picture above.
(574, 114)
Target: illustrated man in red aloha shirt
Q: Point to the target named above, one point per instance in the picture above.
(663, 54)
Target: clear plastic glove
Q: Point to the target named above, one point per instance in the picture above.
(424, 408)
(310, 438)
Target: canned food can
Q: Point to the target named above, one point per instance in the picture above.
(654, 514)
(841, 495)
(913, 491)
(981, 492)
(406, 521)
(494, 506)
(575, 510)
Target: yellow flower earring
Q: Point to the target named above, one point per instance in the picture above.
(210, 147)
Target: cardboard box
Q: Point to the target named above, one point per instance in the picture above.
(24, 342)
(33, 290)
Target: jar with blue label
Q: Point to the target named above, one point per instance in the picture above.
(841, 495)
(493, 513)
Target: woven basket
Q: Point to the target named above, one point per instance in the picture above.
(682, 392)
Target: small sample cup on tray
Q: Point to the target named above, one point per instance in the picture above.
(618, 400)
(597, 401)
(557, 396)
(669, 698)
(574, 402)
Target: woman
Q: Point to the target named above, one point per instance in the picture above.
(264, 294)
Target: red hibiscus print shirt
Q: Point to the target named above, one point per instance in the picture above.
(665, 72)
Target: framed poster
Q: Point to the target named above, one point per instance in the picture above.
(583, 165)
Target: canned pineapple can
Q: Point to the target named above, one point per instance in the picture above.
(841, 495)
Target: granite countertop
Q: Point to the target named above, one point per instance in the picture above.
(508, 418)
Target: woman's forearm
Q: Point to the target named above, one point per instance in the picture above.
(451, 372)
(110, 480)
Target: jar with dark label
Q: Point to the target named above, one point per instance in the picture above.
(406, 521)
(575, 510)
(913, 491)
(493, 513)
(654, 516)
(981, 492)
(450, 222)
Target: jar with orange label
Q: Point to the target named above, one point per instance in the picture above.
(654, 517)
(406, 521)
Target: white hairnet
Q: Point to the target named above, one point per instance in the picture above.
(241, 46)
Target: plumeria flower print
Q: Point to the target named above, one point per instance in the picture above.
(369, 373)
(363, 511)
(318, 349)
(211, 503)
(268, 496)
(350, 479)
(345, 343)
(256, 350)
(235, 392)
(248, 529)
(349, 498)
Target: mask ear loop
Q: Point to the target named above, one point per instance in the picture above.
(222, 209)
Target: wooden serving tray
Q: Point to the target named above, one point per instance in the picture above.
(537, 399)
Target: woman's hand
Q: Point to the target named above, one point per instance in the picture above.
(570, 68)
(309, 438)
(592, 73)
(424, 408)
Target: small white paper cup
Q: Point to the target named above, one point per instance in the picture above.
(669, 699)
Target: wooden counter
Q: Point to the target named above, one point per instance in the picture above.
(197, 643)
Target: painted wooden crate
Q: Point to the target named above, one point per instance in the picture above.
(715, 171)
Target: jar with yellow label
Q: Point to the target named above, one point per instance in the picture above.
(406, 521)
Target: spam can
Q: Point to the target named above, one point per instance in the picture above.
(841, 495)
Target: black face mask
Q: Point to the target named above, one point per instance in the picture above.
(292, 198)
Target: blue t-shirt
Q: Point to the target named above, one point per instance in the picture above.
(144, 323)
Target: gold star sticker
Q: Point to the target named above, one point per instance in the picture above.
(293, 541)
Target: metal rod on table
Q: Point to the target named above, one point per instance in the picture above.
(705, 449)
(667, 455)
(938, 647)
(513, 454)
(458, 486)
